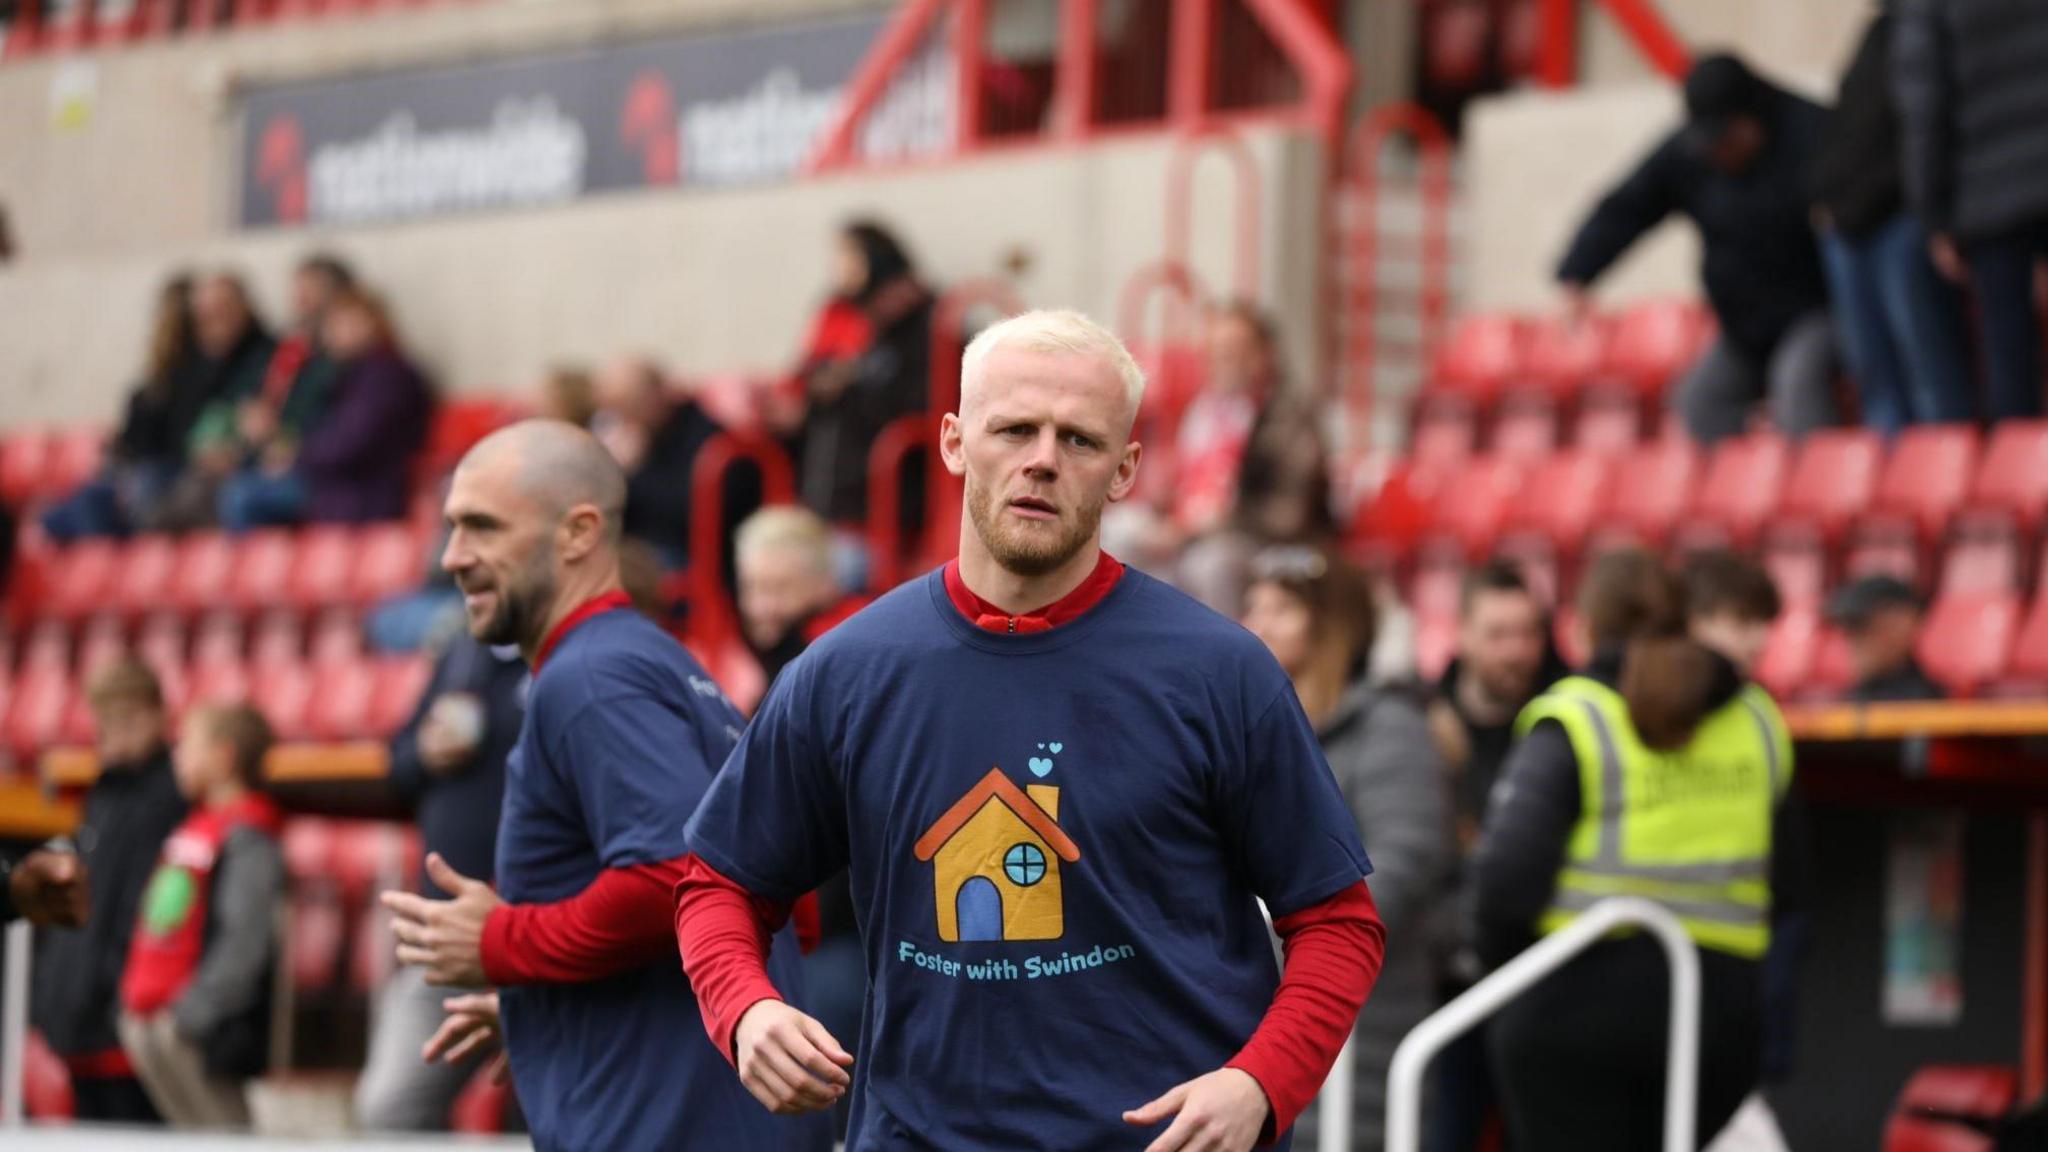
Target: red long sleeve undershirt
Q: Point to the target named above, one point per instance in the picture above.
(622, 921)
(1333, 952)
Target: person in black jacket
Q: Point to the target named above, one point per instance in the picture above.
(128, 813)
(1739, 168)
(1974, 98)
(449, 761)
(1899, 322)
(656, 436)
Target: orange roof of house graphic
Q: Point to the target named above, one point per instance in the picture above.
(998, 786)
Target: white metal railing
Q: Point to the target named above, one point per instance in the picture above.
(1333, 1103)
(14, 1024)
(1411, 1059)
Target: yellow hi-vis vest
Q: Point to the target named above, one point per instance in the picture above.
(1689, 829)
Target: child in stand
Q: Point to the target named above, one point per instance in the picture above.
(195, 1000)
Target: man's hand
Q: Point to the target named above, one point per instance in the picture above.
(1221, 1112)
(449, 733)
(48, 887)
(471, 1028)
(789, 1061)
(1948, 259)
(1574, 303)
(445, 937)
(256, 421)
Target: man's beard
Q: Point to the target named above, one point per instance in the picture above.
(521, 610)
(1021, 553)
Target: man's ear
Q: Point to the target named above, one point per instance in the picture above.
(1126, 473)
(951, 448)
(580, 532)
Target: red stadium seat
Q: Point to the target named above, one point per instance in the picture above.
(1833, 480)
(1980, 564)
(77, 579)
(400, 681)
(1799, 571)
(2013, 478)
(74, 458)
(1786, 666)
(262, 569)
(225, 683)
(142, 581)
(1525, 432)
(1481, 356)
(316, 938)
(204, 569)
(370, 957)
(731, 400)
(1652, 343)
(1474, 503)
(2030, 647)
(1608, 428)
(100, 643)
(388, 561)
(1561, 499)
(458, 425)
(1659, 486)
(24, 456)
(161, 641)
(1560, 358)
(336, 635)
(343, 702)
(37, 702)
(1444, 439)
(279, 639)
(1936, 1099)
(1927, 477)
(320, 572)
(47, 647)
(285, 694)
(308, 846)
(369, 856)
(1967, 639)
(1744, 482)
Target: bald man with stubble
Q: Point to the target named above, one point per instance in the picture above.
(623, 730)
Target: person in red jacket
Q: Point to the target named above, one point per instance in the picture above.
(195, 998)
(1062, 790)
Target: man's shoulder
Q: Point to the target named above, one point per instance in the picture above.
(616, 653)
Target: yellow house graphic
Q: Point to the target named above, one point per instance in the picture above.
(996, 857)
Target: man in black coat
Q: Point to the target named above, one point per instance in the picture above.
(1738, 168)
(131, 809)
(1900, 323)
(1974, 97)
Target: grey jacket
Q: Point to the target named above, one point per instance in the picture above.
(1379, 746)
(225, 1010)
(1973, 99)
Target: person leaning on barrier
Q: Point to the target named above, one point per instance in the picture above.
(1658, 772)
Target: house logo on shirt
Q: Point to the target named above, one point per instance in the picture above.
(996, 856)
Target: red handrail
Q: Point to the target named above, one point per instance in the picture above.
(899, 39)
(1645, 27)
(1363, 165)
(1183, 305)
(710, 605)
(897, 440)
(1180, 195)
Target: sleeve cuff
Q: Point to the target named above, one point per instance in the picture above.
(1270, 1131)
(753, 993)
(495, 949)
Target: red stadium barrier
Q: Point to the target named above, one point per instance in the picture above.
(1361, 303)
(1188, 148)
(711, 618)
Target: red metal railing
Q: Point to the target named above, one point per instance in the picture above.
(1180, 200)
(711, 615)
(900, 438)
(1645, 27)
(1366, 303)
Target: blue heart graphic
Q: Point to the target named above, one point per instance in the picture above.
(1056, 748)
(1040, 766)
(1041, 747)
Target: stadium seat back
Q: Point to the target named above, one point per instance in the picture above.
(389, 560)
(336, 635)
(1799, 570)
(1967, 640)
(342, 704)
(1474, 503)
(24, 457)
(2030, 647)
(37, 703)
(224, 683)
(1928, 475)
(2013, 477)
(262, 569)
(1482, 354)
(161, 640)
(1561, 357)
(285, 694)
(1562, 498)
(74, 458)
(1934, 1100)
(1444, 439)
(1657, 484)
(1786, 666)
(1744, 482)
(142, 582)
(1525, 432)
(48, 647)
(1980, 564)
(203, 572)
(1653, 342)
(78, 578)
(279, 640)
(1610, 429)
(1833, 479)
(321, 570)
(399, 682)
(102, 641)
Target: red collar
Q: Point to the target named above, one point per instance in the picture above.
(989, 618)
(594, 606)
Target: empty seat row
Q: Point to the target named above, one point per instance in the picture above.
(367, 698)
(277, 636)
(1636, 352)
(321, 566)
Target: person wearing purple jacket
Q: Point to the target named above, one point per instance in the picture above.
(355, 462)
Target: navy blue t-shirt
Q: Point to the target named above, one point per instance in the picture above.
(622, 731)
(1054, 842)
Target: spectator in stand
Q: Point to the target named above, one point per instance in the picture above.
(44, 886)
(1316, 616)
(655, 436)
(148, 452)
(235, 350)
(1975, 104)
(1740, 169)
(130, 809)
(1505, 658)
(1899, 323)
(302, 372)
(355, 462)
(1247, 485)
(787, 596)
(867, 363)
(1881, 617)
(195, 999)
(568, 394)
(449, 762)
(1731, 603)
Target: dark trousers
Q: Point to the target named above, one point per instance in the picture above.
(112, 1100)
(1580, 1058)
(1900, 327)
(1464, 1095)
(2002, 272)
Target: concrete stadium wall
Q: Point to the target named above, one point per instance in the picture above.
(708, 280)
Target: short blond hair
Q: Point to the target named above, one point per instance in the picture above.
(788, 526)
(1052, 330)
